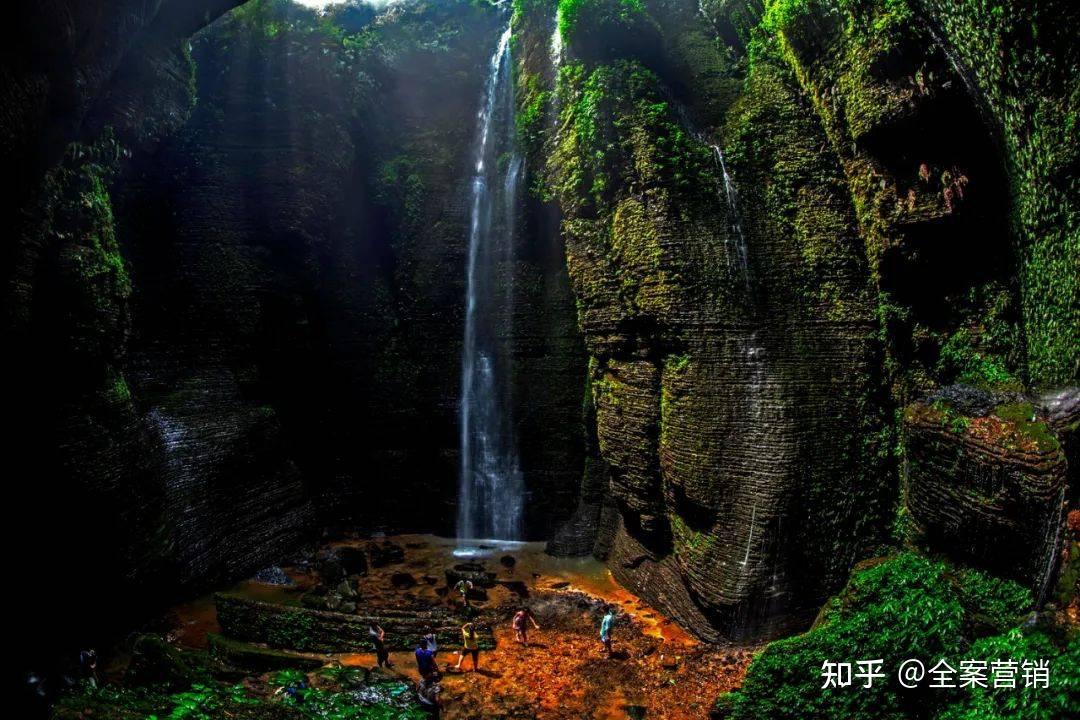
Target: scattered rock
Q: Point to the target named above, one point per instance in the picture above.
(430, 579)
(272, 575)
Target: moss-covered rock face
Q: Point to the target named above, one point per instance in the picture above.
(783, 221)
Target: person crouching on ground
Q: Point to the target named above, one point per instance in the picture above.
(470, 645)
(521, 628)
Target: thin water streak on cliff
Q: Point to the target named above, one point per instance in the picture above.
(731, 196)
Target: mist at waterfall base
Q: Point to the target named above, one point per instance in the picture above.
(491, 491)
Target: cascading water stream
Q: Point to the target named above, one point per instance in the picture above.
(556, 46)
(731, 196)
(491, 490)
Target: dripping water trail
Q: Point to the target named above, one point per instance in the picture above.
(491, 487)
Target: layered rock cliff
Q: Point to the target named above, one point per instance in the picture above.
(786, 221)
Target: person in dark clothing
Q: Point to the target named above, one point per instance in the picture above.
(378, 639)
(88, 666)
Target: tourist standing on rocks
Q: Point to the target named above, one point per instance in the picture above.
(470, 645)
(378, 639)
(463, 588)
(605, 629)
(425, 659)
(521, 629)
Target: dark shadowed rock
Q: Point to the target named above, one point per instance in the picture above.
(353, 560)
(385, 553)
(329, 566)
(155, 662)
(987, 490)
(402, 580)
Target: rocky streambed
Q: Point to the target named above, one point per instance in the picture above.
(293, 642)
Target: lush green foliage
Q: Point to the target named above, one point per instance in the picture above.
(904, 607)
(597, 15)
(1058, 701)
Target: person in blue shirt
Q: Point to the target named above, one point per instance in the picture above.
(425, 659)
(605, 629)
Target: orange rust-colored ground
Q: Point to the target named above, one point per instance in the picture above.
(564, 673)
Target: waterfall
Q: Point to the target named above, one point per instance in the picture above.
(491, 489)
(556, 41)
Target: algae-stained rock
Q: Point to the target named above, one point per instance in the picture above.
(303, 629)
(987, 489)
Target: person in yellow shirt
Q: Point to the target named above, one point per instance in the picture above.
(470, 646)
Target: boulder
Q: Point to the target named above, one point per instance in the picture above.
(273, 575)
(385, 553)
(329, 566)
(155, 662)
(987, 490)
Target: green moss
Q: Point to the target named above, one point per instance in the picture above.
(1023, 58)
(1022, 415)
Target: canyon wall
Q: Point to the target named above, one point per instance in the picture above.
(787, 221)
